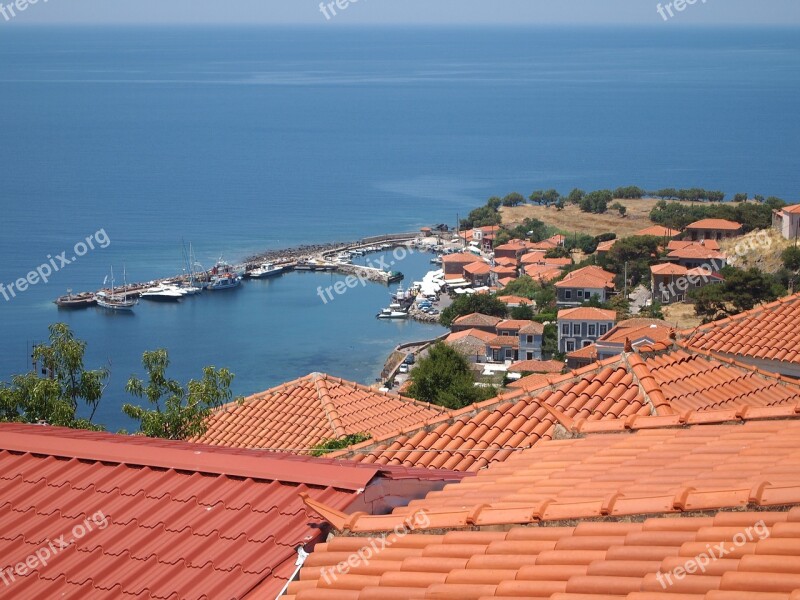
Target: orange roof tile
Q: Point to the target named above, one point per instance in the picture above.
(723, 224)
(589, 277)
(477, 320)
(465, 258)
(792, 209)
(484, 336)
(658, 231)
(504, 281)
(696, 251)
(303, 413)
(506, 261)
(501, 270)
(513, 324)
(666, 469)
(656, 559)
(504, 341)
(477, 268)
(519, 300)
(533, 258)
(668, 269)
(160, 518)
(768, 332)
(589, 351)
(680, 244)
(606, 246)
(672, 383)
(587, 313)
(537, 366)
(543, 272)
(654, 333)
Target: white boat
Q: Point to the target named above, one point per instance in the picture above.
(343, 258)
(224, 281)
(395, 311)
(266, 270)
(164, 292)
(190, 287)
(386, 246)
(116, 302)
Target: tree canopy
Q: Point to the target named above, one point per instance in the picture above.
(473, 303)
(444, 378)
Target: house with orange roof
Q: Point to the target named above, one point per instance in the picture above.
(480, 321)
(787, 221)
(767, 337)
(483, 236)
(97, 515)
(681, 244)
(698, 255)
(453, 265)
(306, 412)
(537, 366)
(672, 282)
(513, 249)
(543, 273)
(499, 272)
(582, 326)
(713, 229)
(604, 248)
(471, 343)
(624, 336)
(505, 262)
(533, 258)
(582, 285)
(504, 281)
(477, 273)
(659, 231)
(515, 340)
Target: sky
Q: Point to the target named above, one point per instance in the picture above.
(406, 12)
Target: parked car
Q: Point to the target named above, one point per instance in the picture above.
(404, 368)
(409, 359)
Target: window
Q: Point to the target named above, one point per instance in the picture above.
(565, 329)
(580, 293)
(570, 346)
(588, 294)
(587, 343)
(576, 329)
(509, 353)
(529, 339)
(592, 330)
(567, 294)
(603, 329)
(529, 356)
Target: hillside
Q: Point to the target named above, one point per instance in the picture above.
(761, 249)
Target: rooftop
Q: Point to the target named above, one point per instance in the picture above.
(587, 313)
(768, 332)
(714, 224)
(792, 209)
(658, 231)
(477, 320)
(461, 258)
(537, 366)
(589, 277)
(161, 519)
(680, 244)
(668, 269)
(303, 413)
(480, 334)
(477, 268)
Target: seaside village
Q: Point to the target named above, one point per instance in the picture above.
(647, 462)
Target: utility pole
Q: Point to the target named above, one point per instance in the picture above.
(626, 280)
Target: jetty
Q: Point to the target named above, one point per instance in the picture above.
(313, 258)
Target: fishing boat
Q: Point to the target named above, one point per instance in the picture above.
(71, 300)
(437, 260)
(164, 292)
(116, 302)
(265, 271)
(224, 277)
(394, 311)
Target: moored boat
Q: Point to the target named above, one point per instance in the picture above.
(164, 292)
(394, 311)
(114, 301)
(82, 300)
(266, 270)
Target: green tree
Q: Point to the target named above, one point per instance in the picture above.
(709, 302)
(536, 197)
(473, 303)
(551, 196)
(596, 202)
(523, 312)
(179, 412)
(575, 196)
(639, 252)
(494, 203)
(444, 378)
(745, 289)
(560, 205)
(791, 258)
(523, 286)
(514, 199)
(620, 208)
(550, 342)
(66, 387)
(332, 444)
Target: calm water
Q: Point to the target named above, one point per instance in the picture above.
(242, 140)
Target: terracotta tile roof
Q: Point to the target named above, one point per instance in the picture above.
(504, 341)
(504, 281)
(533, 258)
(665, 469)
(587, 313)
(506, 261)
(477, 268)
(768, 332)
(513, 245)
(305, 412)
(589, 351)
(642, 321)
(658, 231)
(518, 300)
(668, 269)
(513, 324)
(500, 270)
(792, 209)
(670, 383)
(697, 252)
(588, 277)
(714, 224)
(477, 320)
(465, 258)
(606, 246)
(480, 334)
(654, 333)
(181, 520)
(537, 366)
(577, 561)
(543, 272)
(532, 328)
(680, 244)
(705, 272)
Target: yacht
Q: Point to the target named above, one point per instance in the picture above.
(266, 270)
(164, 292)
(224, 281)
(115, 302)
(395, 311)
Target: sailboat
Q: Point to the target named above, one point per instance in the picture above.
(192, 286)
(116, 302)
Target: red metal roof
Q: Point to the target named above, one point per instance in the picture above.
(181, 520)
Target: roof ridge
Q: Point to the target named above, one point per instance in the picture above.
(324, 396)
(648, 386)
(689, 332)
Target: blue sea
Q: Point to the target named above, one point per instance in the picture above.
(244, 139)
